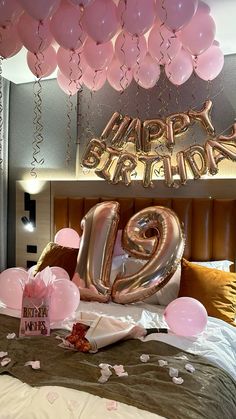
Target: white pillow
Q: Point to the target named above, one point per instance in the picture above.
(117, 266)
(169, 292)
(128, 266)
(222, 265)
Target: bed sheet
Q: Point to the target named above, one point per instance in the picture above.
(20, 401)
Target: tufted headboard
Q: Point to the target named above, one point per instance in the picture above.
(209, 224)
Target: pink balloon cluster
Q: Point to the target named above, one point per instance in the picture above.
(91, 41)
(65, 296)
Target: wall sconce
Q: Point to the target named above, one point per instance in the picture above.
(29, 222)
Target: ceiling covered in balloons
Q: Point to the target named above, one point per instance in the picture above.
(196, 37)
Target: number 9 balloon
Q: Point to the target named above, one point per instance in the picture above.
(163, 251)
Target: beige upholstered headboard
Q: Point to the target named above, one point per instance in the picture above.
(209, 224)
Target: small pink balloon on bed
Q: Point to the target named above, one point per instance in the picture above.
(65, 300)
(12, 282)
(186, 316)
(67, 237)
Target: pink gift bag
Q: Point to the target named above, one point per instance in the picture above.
(35, 312)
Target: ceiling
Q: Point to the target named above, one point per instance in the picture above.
(16, 70)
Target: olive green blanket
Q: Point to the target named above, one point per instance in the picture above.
(209, 392)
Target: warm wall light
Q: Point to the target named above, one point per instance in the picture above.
(27, 224)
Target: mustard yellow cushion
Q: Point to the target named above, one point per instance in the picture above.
(215, 289)
(56, 255)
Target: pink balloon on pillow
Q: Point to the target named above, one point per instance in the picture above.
(67, 237)
(118, 249)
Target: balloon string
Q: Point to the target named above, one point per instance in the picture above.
(162, 106)
(209, 88)
(137, 81)
(94, 80)
(69, 105)
(123, 68)
(124, 79)
(80, 43)
(78, 80)
(209, 84)
(192, 102)
(88, 132)
(1, 117)
(91, 111)
(38, 68)
(37, 127)
(80, 73)
(148, 106)
(37, 120)
(79, 119)
(193, 84)
(177, 91)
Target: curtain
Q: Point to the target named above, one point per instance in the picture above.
(4, 110)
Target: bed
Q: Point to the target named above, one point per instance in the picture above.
(67, 384)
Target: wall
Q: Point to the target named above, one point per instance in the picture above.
(94, 112)
(53, 148)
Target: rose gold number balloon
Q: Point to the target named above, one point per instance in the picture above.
(163, 251)
(96, 247)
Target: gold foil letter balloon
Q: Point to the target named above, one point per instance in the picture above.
(96, 247)
(163, 252)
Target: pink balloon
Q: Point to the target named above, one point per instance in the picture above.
(119, 77)
(130, 49)
(175, 14)
(93, 79)
(100, 20)
(162, 44)
(186, 316)
(10, 10)
(180, 68)
(210, 63)
(35, 35)
(66, 26)
(98, 56)
(199, 34)
(203, 7)
(136, 16)
(67, 237)
(81, 3)
(41, 9)
(59, 273)
(147, 73)
(71, 63)
(64, 300)
(10, 42)
(31, 270)
(42, 65)
(70, 87)
(12, 282)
